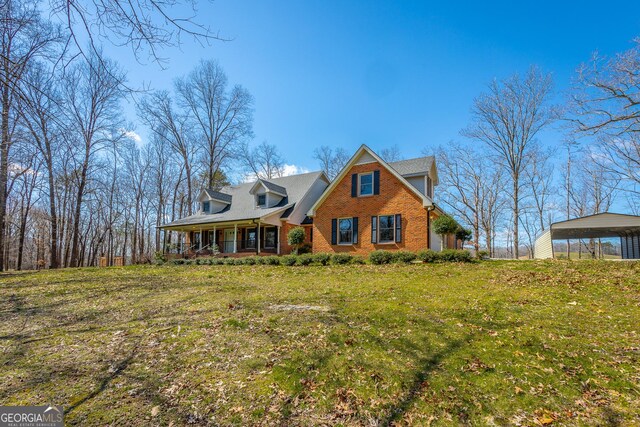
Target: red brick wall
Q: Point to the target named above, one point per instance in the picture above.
(394, 198)
(285, 248)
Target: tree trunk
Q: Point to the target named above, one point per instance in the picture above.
(4, 161)
(75, 261)
(516, 220)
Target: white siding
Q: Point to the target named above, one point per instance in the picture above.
(365, 158)
(303, 206)
(435, 241)
(215, 206)
(543, 247)
(418, 183)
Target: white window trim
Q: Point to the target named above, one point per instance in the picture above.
(393, 229)
(338, 232)
(360, 185)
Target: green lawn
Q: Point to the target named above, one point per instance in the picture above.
(503, 343)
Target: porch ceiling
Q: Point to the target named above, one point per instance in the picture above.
(209, 226)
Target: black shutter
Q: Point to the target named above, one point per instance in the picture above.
(334, 231)
(398, 228)
(374, 229)
(354, 185)
(376, 182)
(355, 230)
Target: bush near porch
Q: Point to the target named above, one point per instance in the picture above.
(376, 257)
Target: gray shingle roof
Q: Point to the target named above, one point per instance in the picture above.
(217, 195)
(274, 187)
(244, 206)
(416, 166)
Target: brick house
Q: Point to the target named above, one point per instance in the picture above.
(370, 205)
(250, 218)
(373, 204)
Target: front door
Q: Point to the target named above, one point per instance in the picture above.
(228, 240)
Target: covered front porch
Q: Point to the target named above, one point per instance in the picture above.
(225, 239)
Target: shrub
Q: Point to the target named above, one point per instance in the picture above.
(444, 224)
(159, 258)
(484, 255)
(321, 258)
(288, 260)
(358, 259)
(177, 261)
(304, 249)
(304, 259)
(229, 261)
(249, 260)
(271, 260)
(428, 256)
(295, 237)
(380, 257)
(189, 262)
(216, 261)
(404, 256)
(453, 255)
(340, 259)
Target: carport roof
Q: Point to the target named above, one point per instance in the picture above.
(596, 226)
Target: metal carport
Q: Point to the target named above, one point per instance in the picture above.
(603, 225)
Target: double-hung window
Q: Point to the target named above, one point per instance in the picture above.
(205, 207)
(262, 199)
(365, 184)
(386, 228)
(345, 231)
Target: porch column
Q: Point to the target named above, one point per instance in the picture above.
(214, 236)
(235, 239)
(200, 240)
(278, 237)
(258, 238)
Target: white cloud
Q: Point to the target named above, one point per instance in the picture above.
(132, 135)
(288, 170)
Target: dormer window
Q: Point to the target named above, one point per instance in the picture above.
(205, 207)
(262, 200)
(365, 184)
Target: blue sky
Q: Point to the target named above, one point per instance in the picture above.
(343, 73)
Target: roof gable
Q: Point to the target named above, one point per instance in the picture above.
(211, 194)
(366, 152)
(269, 187)
(243, 205)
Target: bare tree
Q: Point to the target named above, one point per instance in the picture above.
(538, 192)
(605, 103)
(507, 119)
(170, 126)
(222, 119)
(148, 27)
(331, 161)
(471, 187)
(41, 112)
(93, 96)
(262, 161)
(24, 38)
(462, 179)
(391, 154)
